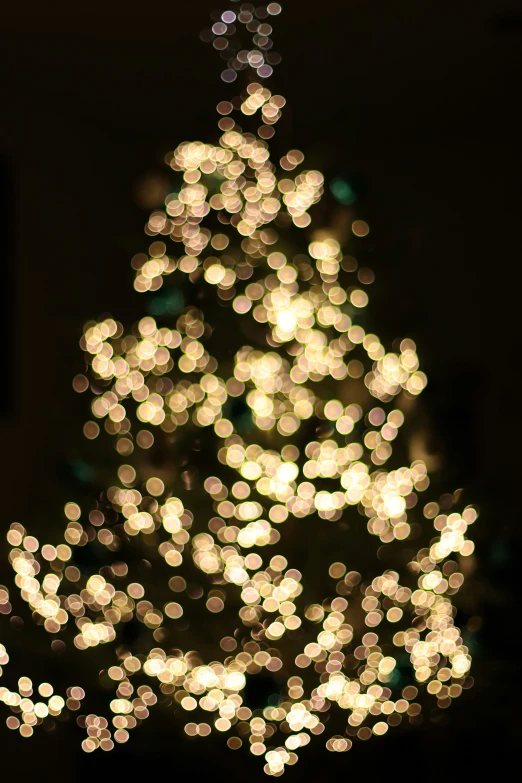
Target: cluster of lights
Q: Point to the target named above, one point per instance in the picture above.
(295, 320)
(260, 59)
(29, 713)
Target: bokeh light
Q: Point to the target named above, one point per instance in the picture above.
(263, 362)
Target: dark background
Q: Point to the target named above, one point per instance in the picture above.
(416, 101)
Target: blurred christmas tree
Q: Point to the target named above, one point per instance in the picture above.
(234, 569)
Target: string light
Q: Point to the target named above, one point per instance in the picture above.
(324, 402)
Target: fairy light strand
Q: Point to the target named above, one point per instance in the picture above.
(234, 232)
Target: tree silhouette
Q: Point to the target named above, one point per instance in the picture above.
(233, 571)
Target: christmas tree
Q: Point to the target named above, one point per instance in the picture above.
(233, 572)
